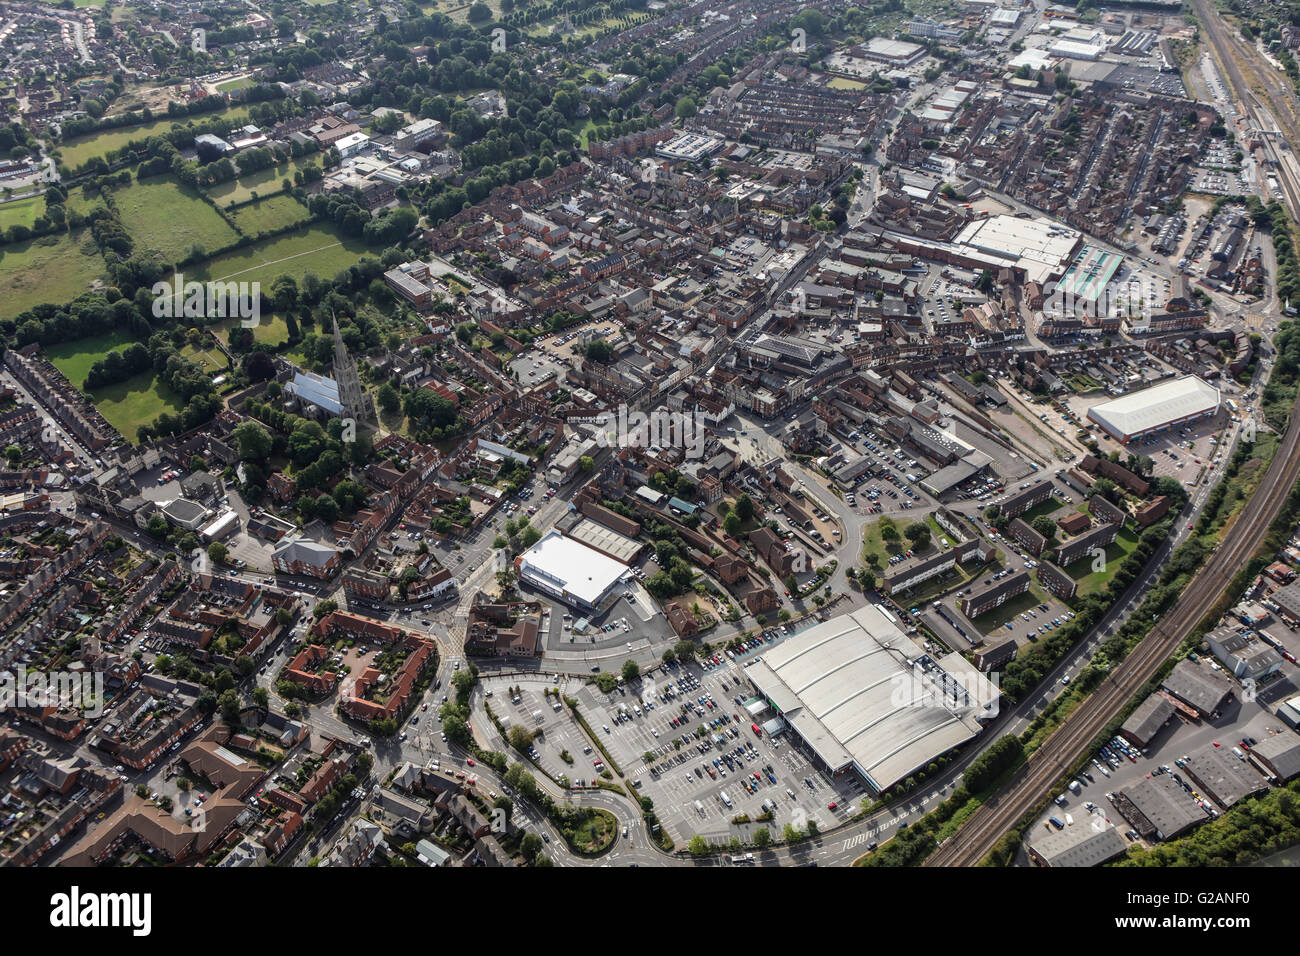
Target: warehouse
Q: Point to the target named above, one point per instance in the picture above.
(862, 696)
(893, 52)
(1076, 845)
(1156, 408)
(569, 571)
(1224, 777)
(1159, 808)
(1145, 722)
(606, 540)
(1198, 687)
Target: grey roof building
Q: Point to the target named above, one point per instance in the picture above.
(1145, 722)
(1278, 756)
(1198, 687)
(1078, 845)
(1158, 808)
(1222, 775)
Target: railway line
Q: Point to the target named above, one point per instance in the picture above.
(1070, 742)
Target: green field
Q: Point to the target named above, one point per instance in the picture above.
(21, 212)
(134, 402)
(212, 360)
(318, 249)
(274, 212)
(50, 269)
(242, 83)
(844, 83)
(74, 359)
(264, 182)
(79, 149)
(271, 330)
(164, 215)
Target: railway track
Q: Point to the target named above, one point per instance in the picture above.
(1069, 743)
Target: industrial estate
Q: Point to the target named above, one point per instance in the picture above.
(657, 433)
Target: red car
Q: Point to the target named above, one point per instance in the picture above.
(469, 761)
(832, 805)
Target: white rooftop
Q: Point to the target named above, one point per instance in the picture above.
(1156, 406)
(852, 688)
(570, 567)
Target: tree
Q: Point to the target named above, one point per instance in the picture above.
(598, 350)
(686, 108)
(631, 670)
(479, 12)
(745, 507)
(390, 402)
(217, 552)
(762, 836)
(685, 650)
(1044, 526)
(519, 737)
(252, 442)
(698, 846)
(229, 704)
(586, 463)
(731, 524)
(919, 534)
(261, 697)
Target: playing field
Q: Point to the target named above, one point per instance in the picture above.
(21, 212)
(274, 212)
(74, 359)
(134, 402)
(211, 359)
(264, 182)
(239, 84)
(317, 249)
(50, 269)
(79, 149)
(270, 330)
(164, 215)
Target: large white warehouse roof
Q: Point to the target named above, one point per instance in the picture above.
(861, 694)
(1156, 407)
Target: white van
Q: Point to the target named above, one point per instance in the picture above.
(725, 799)
(699, 808)
(1237, 752)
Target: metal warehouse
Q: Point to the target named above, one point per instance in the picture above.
(1156, 408)
(862, 696)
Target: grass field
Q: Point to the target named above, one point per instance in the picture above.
(274, 212)
(21, 212)
(317, 249)
(271, 330)
(211, 359)
(844, 83)
(164, 215)
(242, 83)
(79, 149)
(264, 182)
(50, 269)
(134, 402)
(74, 359)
